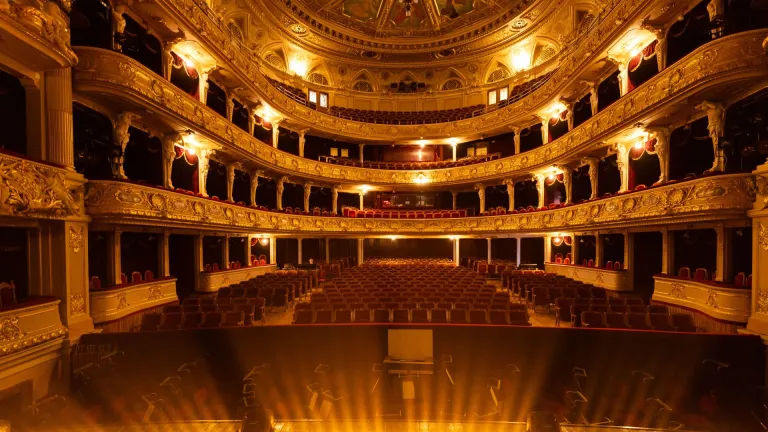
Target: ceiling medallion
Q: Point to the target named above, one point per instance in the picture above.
(298, 29)
(519, 24)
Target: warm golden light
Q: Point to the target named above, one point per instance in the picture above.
(264, 241)
(420, 179)
(520, 58)
(299, 66)
(191, 150)
(453, 141)
(638, 145)
(557, 240)
(365, 188)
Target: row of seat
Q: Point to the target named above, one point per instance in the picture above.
(232, 316)
(407, 117)
(569, 310)
(402, 214)
(419, 315)
(469, 160)
(638, 321)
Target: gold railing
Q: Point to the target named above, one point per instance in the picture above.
(740, 57)
(704, 199)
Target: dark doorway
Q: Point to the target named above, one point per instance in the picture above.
(181, 259)
(648, 256)
(532, 251)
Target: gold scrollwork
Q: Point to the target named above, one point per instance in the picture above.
(122, 302)
(9, 330)
(77, 304)
(35, 190)
(76, 239)
(762, 237)
(677, 291)
(154, 293)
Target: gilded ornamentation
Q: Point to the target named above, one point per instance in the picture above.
(76, 239)
(762, 237)
(35, 190)
(122, 302)
(651, 206)
(154, 293)
(9, 330)
(677, 291)
(712, 299)
(657, 91)
(77, 304)
(45, 19)
(762, 301)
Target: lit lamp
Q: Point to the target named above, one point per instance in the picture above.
(263, 241)
(557, 240)
(454, 142)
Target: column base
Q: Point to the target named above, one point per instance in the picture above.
(79, 326)
(758, 326)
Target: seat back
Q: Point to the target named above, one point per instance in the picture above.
(362, 315)
(700, 274)
(381, 315)
(684, 272)
(419, 315)
(458, 316)
(400, 316)
(439, 315)
(323, 316)
(212, 320)
(342, 316)
(150, 322)
(477, 316)
(233, 318)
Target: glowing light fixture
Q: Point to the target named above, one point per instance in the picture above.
(638, 145)
(453, 141)
(299, 66)
(393, 238)
(191, 150)
(520, 57)
(365, 188)
(551, 177)
(264, 241)
(557, 240)
(420, 179)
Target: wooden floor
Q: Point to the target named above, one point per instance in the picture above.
(540, 319)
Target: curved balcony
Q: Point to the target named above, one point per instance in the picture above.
(730, 64)
(36, 34)
(615, 19)
(117, 302)
(708, 198)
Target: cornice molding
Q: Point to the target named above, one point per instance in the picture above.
(730, 59)
(705, 199)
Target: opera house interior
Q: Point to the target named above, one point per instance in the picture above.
(384, 215)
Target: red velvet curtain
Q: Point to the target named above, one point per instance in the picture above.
(635, 154)
(190, 159)
(555, 179)
(563, 116)
(647, 53)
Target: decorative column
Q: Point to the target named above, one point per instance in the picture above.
(163, 262)
(598, 250)
(114, 255)
(629, 251)
(202, 83)
(569, 116)
(667, 252)
(66, 272)
(519, 250)
(593, 101)
(661, 134)
(280, 186)
(516, 138)
(275, 132)
(622, 160)
(203, 160)
(59, 123)
(225, 252)
(361, 146)
(723, 263)
(169, 155)
(300, 252)
(273, 250)
(453, 147)
(307, 193)
(539, 179)
(574, 249)
(456, 252)
(547, 248)
(661, 44)
(335, 199)
(454, 196)
(510, 193)
(230, 105)
(544, 129)
(248, 255)
(118, 25)
(327, 250)
(490, 257)
(251, 121)
(230, 181)
(167, 59)
(568, 183)
(362, 194)
(360, 255)
(758, 321)
(199, 262)
(480, 188)
(254, 177)
(121, 136)
(594, 164)
(621, 64)
(716, 125)
(302, 141)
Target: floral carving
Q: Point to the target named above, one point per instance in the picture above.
(762, 237)
(154, 293)
(762, 301)
(77, 304)
(9, 330)
(712, 299)
(35, 190)
(677, 291)
(122, 302)
(76, 239)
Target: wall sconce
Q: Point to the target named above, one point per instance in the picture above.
(557, 240)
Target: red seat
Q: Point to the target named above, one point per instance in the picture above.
(362, 315)
(381, 315)
(150, 322)
(683, 323)
(212, 320)
(419, 316)
(477, 316)
(458, 316)
(400, 316)
(592, 319)
(660, 321)
(171, 321)
(342, 316)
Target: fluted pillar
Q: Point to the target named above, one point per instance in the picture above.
(58, 104)
(519, 250)
(300, 257)
(598, 250)
(490, 255)
(361, 146)
(723, 262)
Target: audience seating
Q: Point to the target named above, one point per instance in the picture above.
(469, 160)
(402, 214)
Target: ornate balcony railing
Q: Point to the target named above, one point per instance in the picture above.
(614, 280)
(111, 304)
(705, 199)
(212, 281)
(733, 60)
(29, 325)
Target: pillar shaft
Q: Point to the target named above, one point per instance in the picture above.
(723, 263)
(248, 255)
(115, 258)
(327, 250)
(456, 252)
(225, 253)
(199, 264)
(300, 252)
(163, 256)
(547, 248)
(574, 249)
(598, 250)
(519, 250)
(360, 254)
(454, 153)
(629, 251)
(58, 102)
(361, 201)
(490, 255)
(273, 250)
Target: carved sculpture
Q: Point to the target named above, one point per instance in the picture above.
(307, 193)
(230, 181)
(716, 126)
(203, 163)
(567, 177)
(622, 160)
(169, 155)
(280, 186)
(480, 188)
(118, 24)
(334, 199)
(255, 184)
(594, 164)
(30, 189)
(120, 129)
(510, 192)
(661, 149)
(539, 179)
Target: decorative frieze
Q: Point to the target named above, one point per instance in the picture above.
(705, 199)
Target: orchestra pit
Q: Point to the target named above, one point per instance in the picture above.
(383, 215)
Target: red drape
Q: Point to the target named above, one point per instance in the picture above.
(555, 179)
(647, 52)
(178, 63)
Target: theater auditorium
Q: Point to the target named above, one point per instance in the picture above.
(383, 215)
